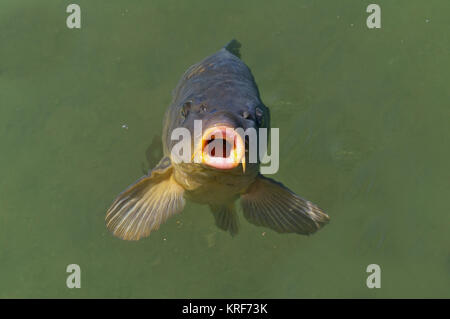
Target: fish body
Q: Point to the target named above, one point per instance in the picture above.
(219, 92)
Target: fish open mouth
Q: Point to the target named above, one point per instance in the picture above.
(222, 148)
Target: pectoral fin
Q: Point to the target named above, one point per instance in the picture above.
(145, 205)
(270, 204)
(226, 218)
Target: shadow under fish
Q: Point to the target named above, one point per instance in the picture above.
(153, 154)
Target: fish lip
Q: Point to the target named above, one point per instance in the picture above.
(229, 134)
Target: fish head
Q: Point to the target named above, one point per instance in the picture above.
(220, 142)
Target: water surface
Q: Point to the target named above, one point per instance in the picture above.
(364, 128)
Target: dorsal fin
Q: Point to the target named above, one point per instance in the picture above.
(234, 47)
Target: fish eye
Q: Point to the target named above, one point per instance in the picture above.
(185, 108)
(259, 112)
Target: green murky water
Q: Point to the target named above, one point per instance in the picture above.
(364, 132)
